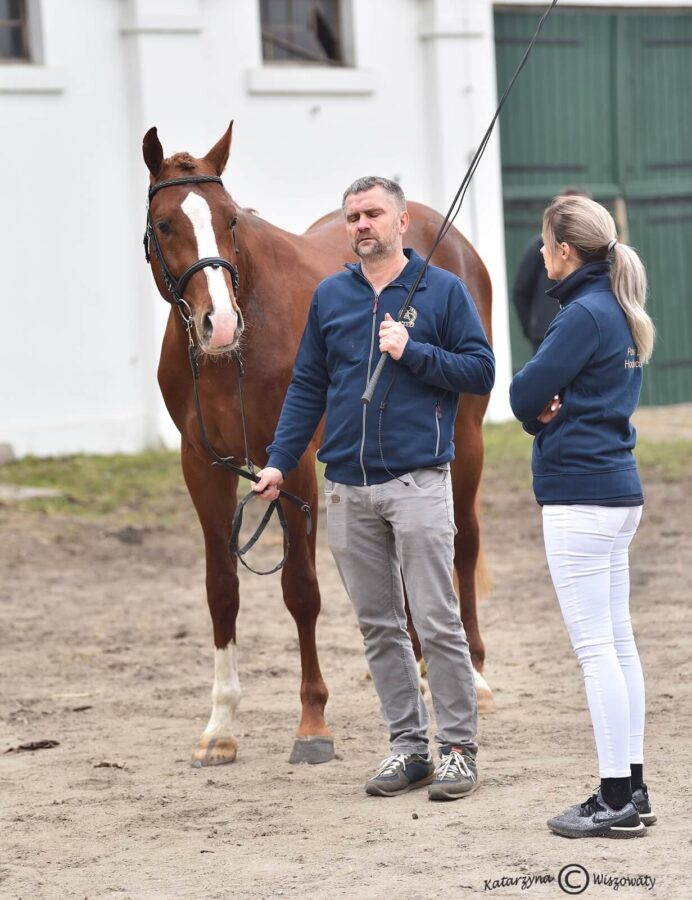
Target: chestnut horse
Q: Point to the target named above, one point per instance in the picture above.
(251, 292)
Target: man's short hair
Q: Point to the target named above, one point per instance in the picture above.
(371, 181)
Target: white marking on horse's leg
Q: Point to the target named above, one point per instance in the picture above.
(197, 210)
(225, 695)
(480, 682)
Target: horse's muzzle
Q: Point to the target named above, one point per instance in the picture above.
(219, 332)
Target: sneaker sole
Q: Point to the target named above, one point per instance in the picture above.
(648, 819)
(440, 794)
(375, 791)
(612, 831)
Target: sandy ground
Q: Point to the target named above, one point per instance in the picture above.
(105, 647)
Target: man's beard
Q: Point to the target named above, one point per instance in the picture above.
(374, 248)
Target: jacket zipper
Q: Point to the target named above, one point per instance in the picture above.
(438, 416)
(365, 407)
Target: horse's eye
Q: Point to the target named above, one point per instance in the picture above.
(164, 227)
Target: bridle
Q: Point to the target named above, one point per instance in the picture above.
(176, 287)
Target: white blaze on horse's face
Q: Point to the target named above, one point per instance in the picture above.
(223, 317)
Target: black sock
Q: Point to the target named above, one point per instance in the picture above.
(616, 791)
(637, 775)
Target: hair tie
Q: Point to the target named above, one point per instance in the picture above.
(611, 244)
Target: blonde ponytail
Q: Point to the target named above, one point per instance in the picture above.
(590, 230)
(628, 277)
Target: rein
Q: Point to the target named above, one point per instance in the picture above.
(175, 287)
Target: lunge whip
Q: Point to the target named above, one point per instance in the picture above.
(455, 206)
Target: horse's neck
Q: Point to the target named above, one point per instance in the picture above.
(274, 254)
(255, 235)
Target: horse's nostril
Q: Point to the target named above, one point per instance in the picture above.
(207, 327)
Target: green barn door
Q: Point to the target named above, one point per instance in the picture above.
(654, 84)
(603, 103)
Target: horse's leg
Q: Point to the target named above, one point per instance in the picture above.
(213, 492)
(314, 743)
(466, 475)
(412, 633)
(415, 641)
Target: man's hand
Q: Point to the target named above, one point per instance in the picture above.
(270, 480)
(550, 410)
(393, 337)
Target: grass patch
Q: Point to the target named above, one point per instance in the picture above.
(148, 487)
(508, 447)
(670, 460)
(127, 484)
(506, 444)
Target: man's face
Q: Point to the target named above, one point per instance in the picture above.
(374, 224)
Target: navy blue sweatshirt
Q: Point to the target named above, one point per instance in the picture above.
(409, 423)
(588, 357)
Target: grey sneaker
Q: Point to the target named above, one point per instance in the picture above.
(398, 774)
(596, 819)
(455, 776)
(640, 798)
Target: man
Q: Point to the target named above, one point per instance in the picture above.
(387, 481)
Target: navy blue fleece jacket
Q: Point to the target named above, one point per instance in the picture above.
(588, 357)
(409, 423)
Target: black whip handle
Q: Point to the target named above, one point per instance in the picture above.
(375, 377)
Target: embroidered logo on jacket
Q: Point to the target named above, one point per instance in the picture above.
(410, 317)
(632, 360)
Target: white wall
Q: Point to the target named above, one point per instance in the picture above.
(77, 355)
(83, 321)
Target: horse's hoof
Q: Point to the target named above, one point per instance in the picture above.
(312, 750)
(215, 751)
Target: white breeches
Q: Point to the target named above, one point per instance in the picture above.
(588, 556)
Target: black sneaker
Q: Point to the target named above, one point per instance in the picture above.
(398, 774)
(640, 798)
(596, 819)
(455, 776)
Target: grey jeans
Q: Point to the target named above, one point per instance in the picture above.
(376, 533)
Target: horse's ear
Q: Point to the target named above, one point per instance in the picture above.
(218, 155)
(152, 151)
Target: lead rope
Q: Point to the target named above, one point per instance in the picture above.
(175, 288)
(241, 374)
(233, 544)
(225, 462)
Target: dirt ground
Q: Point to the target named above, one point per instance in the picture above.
(105, 647)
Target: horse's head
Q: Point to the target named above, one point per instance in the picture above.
(192, 220)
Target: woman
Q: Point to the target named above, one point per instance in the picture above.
(576, 396)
